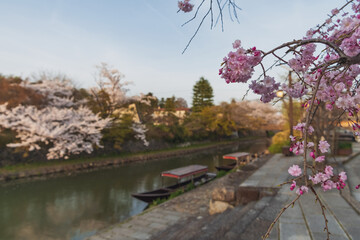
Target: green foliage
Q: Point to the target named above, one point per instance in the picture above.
(298, 112)
(177, 193)
(170, 104)
(172, 195)
(7, 136)
(221, 173)
(100, 103)
(275, 148)
(189, 187)
(270, 133)
(118, 132)
(202, 95)
(279, 140)
(80, 94)
(162, 103)
(210, 123)
(344, 145)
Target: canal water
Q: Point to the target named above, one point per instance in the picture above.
(75, 207)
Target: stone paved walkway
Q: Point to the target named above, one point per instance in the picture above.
(303, 221)
(142, 226)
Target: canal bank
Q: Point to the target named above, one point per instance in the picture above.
(77, 206)
(187, 217)
(70, 167)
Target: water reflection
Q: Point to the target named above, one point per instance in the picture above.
(75, 207)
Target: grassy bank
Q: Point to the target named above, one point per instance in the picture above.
(103, 158)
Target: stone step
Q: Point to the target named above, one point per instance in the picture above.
(222, 223)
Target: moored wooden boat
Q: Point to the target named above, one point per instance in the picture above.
(226, 167)
(179, 173)
(240, 158)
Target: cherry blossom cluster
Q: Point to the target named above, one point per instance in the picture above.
(185, 6)
(66, 131)
(239, 65)
(296, 171)
(304, 58)
(297, 90)
(266, 88)
(58, 91)
(140, 130)
(327, 179)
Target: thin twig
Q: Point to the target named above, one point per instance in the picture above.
(278, 216)
(197, 30)
(221, 15)
(323, 213)
(197, 10)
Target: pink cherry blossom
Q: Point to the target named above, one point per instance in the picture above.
(301, 127)
(334, 11)
(328, 185)
(320, 159)
(185, 6)
(266, 88)
(237, 44)
(342, 176)
(298, 147)
(293, 185)
(328, 171)
(239, 65)
(324, 146)
(301, 190)
(295, 170)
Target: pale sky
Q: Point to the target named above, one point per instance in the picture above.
(144, 40)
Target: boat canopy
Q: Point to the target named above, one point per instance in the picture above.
(236, 156)
(185, 171)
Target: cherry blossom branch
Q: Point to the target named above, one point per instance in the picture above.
(231, 5)
(323, 212)
(302, 42)
(333, 15)
(291, 180)
(197, 10)
(197, 30)
(278, 216)
(307, 124)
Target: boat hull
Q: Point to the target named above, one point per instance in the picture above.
(162, 193)
(225, 168)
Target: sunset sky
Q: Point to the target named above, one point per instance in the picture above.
(144, 40)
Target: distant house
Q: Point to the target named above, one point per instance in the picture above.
(130, 110)
(160, 113)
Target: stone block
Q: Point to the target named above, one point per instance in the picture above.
(225, 194)
(218, 207)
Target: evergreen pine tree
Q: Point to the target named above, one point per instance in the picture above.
(202, 95)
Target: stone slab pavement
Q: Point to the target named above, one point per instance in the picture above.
(142, 226)
(305, 220)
